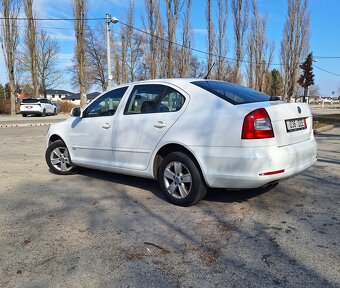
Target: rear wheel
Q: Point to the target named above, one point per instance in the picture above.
(181, 180)
(58, 159)
(24, 115)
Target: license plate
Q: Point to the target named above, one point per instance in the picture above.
(29, 107)
(296, 124)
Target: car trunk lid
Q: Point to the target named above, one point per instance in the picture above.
(292, 122)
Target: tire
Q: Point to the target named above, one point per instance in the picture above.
(43, 113)
(58, 159)
(24, 115)
(181, 180)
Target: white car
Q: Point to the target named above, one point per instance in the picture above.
(37, 106)
(189, 134)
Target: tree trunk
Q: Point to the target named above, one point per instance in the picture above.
(31, 41)
(295, 43)
(239, 10)
(10, 12)
(79, 11)
(211, 35)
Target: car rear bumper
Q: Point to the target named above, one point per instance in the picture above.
(30, 112)
(24, 110)
(236, 167)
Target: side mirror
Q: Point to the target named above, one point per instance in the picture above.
(75, 112)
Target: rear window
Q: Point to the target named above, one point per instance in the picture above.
(232, 93)
(30, 101)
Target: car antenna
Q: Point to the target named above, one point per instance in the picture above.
(206, 76)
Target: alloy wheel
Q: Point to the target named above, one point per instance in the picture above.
(177, 180)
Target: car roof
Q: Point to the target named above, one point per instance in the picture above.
(31, 98)
(175, 81)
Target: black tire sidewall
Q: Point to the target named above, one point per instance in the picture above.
(198, 188)
(50, 148)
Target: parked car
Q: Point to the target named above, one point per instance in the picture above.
(189, 134)
(37, 106)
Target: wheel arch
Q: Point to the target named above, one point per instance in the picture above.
(53, 138)
(169, 148)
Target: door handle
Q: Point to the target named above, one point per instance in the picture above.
(159, 124)
(106, 126)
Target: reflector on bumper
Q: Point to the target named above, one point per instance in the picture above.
(272, 172)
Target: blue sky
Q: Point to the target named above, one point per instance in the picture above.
(325, 35)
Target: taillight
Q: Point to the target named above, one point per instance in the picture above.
(257, 125)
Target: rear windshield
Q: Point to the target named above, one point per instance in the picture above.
(29, 101)
(232, 93)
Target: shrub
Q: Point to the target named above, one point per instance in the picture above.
(66, 106)
(5, 106)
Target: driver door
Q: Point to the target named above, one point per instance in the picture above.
(91, 134)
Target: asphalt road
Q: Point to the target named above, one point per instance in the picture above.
(97, 229)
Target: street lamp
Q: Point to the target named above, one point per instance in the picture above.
(109, 20)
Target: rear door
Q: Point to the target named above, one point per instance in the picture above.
(149, 113)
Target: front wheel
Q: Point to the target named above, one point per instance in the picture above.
(181, 180)
(58, 159)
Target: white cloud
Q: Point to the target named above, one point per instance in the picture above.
(199, 31)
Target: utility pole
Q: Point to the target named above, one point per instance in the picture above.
(109, 20)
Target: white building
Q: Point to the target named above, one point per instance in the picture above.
(55, 94)
(75, 98)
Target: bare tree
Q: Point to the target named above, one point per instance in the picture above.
(134, 42)
(79, 12)
(116, 59)
(96, 56)
(47, 53)
(295, 43)
(221, 47)
(211, 33)
(186, 41)
(10, 12)
(240, 12)
(123, 52)
(173, 8)
(161, 45)
(151, 26)
(260, 51)
(31, 42)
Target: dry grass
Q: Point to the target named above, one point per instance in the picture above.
(66, 106)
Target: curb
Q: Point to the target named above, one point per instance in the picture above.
(24, 125)
(323, 129)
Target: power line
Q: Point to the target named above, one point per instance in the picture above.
(224, 57)
(326, 70)
(163, 39)
(189, 48)
(50, 19)
(326, 57)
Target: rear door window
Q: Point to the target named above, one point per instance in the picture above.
(234, 94)
(154, 98)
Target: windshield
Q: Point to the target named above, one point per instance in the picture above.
(232, 93)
